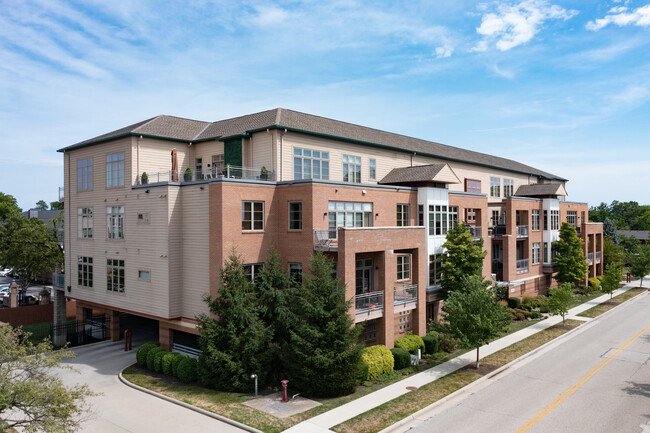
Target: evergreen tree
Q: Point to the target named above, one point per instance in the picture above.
(474, 315)
(463, 258)
(609, 230)
(233, 339)
(272, 289)
(570, 260)
(640, 262)
(41, 205)
(323, 353)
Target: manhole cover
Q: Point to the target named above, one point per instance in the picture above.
(412, 388)
(280, 407)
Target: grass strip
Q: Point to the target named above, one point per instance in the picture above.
(608, 305)
(389, 413)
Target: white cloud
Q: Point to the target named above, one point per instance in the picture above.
(622, 16)
(516, 24)
(444, 51)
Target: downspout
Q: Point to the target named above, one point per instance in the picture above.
(67, 245)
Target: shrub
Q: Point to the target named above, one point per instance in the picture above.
(594, 283)
(514, 302)
(362, 372)
(583, 290)
(544, 309)
(151, 356)
(141, 353)
(528, 303)
(175, 362)
(411, 343)
(187, 370)
(167, 362)
(432, 333)
(379, 361)
(600, 278)
(157, 360)
(519, 315)
(447, 343)
(430, 344)
(535, 315)
(402, 358)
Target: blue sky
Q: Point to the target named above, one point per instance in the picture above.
(560, 85)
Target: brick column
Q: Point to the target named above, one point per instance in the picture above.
(419, 277)
(592, 271)
(60, 333)
(387, 276)
(165, 336)
(113, 325)
(13, 295)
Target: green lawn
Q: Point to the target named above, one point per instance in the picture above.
(617, 300)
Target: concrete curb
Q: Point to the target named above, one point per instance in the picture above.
(186, 405)
(469, 387)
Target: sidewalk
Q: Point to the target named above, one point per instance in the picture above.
(323, 422)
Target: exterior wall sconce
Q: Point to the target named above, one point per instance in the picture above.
(146, 191)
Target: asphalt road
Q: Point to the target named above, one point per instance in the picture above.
(124, 409)
(598, 380)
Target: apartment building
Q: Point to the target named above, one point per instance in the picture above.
(154, 209)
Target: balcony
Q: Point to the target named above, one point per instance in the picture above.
(58, 279)
(227, 172)
(326, 240)
(598, 256)
(406, 295)
(590, 258)
(475, 231)
(369, 306)
(497, 266)
(522, 266)
(548, 268)
(522, 231)
(61, 194)
(497, 231)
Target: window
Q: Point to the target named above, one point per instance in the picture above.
(348, 214)
(435, 269)
(115, 222)
(144, 275)
(438, 220)
(421, 215)
(582, 217)
(311, 164)
(85, 174)
(252, 215)
(508, 187)
(453, 216)
(198, 165)
(572, 217)
(535, 254)
(534, 221)
(143, 218)
(372, 169)
(295, 215)
(115, 170)
(115, 275)
(85, 222)
(85, 271)
(252, 271)
(351, 169)
(295, 273)
(555, 219)
(495, 187)
(545, 219)
(404, 267)
(470, 215)
(402, 215)
(473, 185)
(495, 217)
(545, 252)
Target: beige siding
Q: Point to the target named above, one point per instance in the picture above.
(261, 153)
(205, 151)
(155, 157)
(175, 248)
(195, 250)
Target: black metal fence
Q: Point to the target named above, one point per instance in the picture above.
(77, 332)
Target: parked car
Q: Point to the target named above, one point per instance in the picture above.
(30, 299)
(5, 272)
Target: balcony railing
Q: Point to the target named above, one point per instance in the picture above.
(368, 302)
(227, 172)
(598, 256)
(522, 231)
(522, 266)
(475, 231)
(325, 240)
(590, 258)
(497, 266)
(58, 279)
(406, 293)
(498, 230)
(61, 194)
(548, 268)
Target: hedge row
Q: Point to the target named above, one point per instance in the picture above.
(170, 363)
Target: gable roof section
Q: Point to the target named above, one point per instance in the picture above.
(540, 189)
(642, 235)
(186, 130)
(440, 173)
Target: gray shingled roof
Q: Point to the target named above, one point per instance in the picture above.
(642, 235)
(416, 174)
(192, 130)
(539, 189)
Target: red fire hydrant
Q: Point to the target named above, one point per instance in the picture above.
(284, 391)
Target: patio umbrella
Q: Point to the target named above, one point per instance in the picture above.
(174, 166)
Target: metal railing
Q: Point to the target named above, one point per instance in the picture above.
(61, 193)
(475, 231)
(590, 258)
(226, 172)
(325, 240)
(367, 302)
(405, 293)
(58, 279)
(522, 266)
(498, 230)
(522, 231)
(598, 256)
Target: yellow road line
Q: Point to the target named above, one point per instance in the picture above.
(579, 383)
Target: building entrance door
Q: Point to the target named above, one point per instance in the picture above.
(364, 276)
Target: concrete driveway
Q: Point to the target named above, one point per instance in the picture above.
(124, 409)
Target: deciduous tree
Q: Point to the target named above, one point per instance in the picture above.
(640, 262)
(463, 258)
(570, 261)
(559, 300)
(612, 278)
(473, 315)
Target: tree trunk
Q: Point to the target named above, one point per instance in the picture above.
(477, 362)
